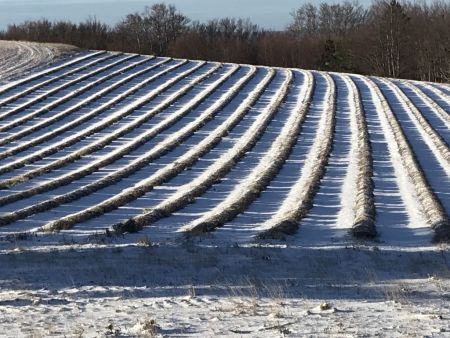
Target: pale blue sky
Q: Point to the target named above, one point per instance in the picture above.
(272, 14)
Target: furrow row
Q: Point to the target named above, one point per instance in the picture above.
(432, 209)
(36, 76)
(51, 80)
(57, 146)
(442, 87)
(175, 167)
(169, 147)
(300, 197)
(215, 171)
(363, 223)
(264, 171)
(243, 227)
(123, 150)
(430, 136)
(135, 165)
(437, 109)
(439, 92)
(10, 119)
(59, 101)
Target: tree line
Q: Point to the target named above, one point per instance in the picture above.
(392, 38)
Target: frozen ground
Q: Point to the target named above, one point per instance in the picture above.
(191, 289)
(109, 160)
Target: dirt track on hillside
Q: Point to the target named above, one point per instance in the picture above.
(18, 57)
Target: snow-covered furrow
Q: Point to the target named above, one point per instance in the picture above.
(42, 103)
(43, 113)
(435, 165)
(62, 94)
(231, 159)
(168, 148)
(157, 91)
(173, 166)
(203, 147)
(242, 228)
(14, 87)
(399, 102)
(18, 96)
(344, 200)
(416, 182)
(126, 148)
(138, 114)
(431, 110)
(191, 142)
(436, 95)
(82, 105)
(143, 160)
(91, 105)
(137, 128)
(443, 87)
(332, 213)
(22, 97)
(357, 198)
(265, 168)
(301, 195)
(396, 219)
(100, 110)
(72, 69)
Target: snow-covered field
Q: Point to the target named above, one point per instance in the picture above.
(157, 196)
(18, 57)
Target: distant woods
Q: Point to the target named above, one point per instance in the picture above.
(390, 38)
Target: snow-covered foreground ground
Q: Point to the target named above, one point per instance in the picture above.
(143, 195)
(190, 289)
(18, 57)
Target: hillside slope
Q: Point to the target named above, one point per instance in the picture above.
(221, 200)
(168, 147)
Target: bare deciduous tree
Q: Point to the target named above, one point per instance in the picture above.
(163, 24)
(390, 24)
(305, 20)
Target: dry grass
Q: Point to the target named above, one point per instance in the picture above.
(364, 211)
